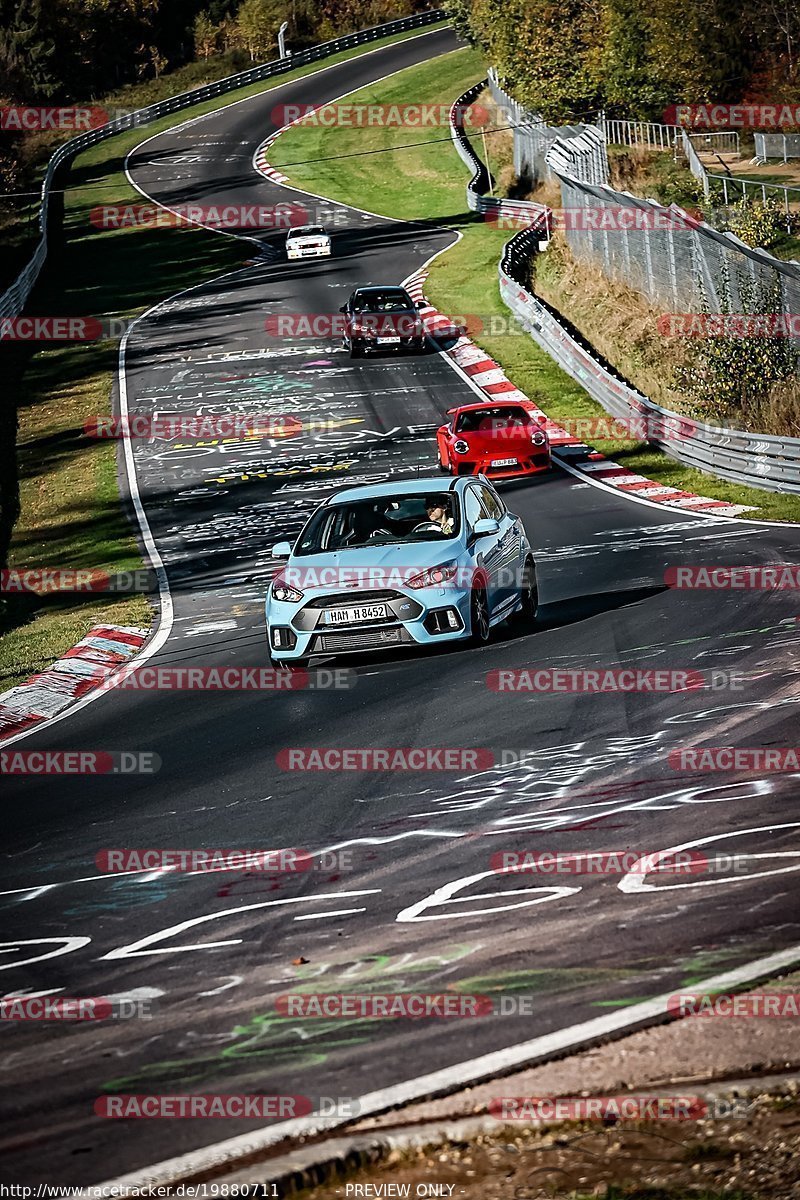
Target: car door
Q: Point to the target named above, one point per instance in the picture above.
(484, 549)
(509, 545)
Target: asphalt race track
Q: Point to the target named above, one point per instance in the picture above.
(592, 771)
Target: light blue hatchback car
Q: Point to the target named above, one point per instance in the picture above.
(408, 563)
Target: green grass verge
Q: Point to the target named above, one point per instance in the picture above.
(390, 171)
(71, 516)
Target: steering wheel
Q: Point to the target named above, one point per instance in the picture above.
(425, 526)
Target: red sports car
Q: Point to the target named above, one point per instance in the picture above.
(493, 438)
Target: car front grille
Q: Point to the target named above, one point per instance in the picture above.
(337, 641)
(352, 597)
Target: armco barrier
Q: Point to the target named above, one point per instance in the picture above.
(481, 179)
(14, 299)
(760, 460)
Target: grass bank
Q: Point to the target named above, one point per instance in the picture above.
(396, 172)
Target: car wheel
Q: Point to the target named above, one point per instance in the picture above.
(529, 595)
(443, 466)
(356, 349)
(479, 617)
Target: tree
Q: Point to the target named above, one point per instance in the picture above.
(542, 51)
(258, 22)
(28, 68)
(206, 35)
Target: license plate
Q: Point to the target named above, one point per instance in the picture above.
(388, 341)
(504, 462)
(350, 616)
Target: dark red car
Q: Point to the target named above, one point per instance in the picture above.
(502, 440)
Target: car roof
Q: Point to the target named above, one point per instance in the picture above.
(382, 288)
(491, 402)
(419, 485)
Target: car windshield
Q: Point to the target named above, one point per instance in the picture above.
(380, 521)
(379, 302)
(489, 420)
(308, 231)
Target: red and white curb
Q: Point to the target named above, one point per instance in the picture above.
(261, 163)
(88, 665)
(489, 376)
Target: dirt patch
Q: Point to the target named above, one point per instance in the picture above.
(748, 1157)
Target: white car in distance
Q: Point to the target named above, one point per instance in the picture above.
(308, 241)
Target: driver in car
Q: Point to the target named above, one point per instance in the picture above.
(438, 514)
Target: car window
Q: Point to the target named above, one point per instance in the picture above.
(492, 504)
(379, 302)
(497, 419)
(380, 521)
(473, 510)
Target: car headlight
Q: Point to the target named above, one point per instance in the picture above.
(434, 576)
(539, 438)
(281, 590)
(460, 446)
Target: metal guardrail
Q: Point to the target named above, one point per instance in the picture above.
(720, 141)
(777, 145)
(760, 460)
(648, 134)
(736, 186)
(14, 299)
(520, 210)
(731, 185)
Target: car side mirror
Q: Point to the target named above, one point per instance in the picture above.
(343, 308)
(421, 304)
(282, 550)
(485, 527)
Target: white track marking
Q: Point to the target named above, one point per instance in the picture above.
(134, 949)
(336, 912)
(445, 894)
(226, 1155)
(635, 882)
(66, 946)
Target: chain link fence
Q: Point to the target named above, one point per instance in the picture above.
(664, 270)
